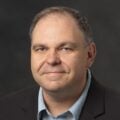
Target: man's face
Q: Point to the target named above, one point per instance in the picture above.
(59, 55)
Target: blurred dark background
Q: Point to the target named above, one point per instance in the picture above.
(15, 19)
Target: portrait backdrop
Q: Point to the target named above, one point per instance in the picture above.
(15, 19)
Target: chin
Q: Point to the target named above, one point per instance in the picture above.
(53, 88)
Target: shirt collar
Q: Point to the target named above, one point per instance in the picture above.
(41, 104)
(77, 106)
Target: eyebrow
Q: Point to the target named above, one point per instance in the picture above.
(62, 44)
(38, 45)
(72, 44)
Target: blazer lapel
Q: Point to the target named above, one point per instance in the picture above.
(94, 105)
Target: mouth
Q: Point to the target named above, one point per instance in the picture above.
(55, 73)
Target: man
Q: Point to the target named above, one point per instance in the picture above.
(62, 52)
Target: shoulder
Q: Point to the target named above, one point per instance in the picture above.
(112, 99)
(18, 99)
(16, 105)
(110, 96)
(110, 102)
(21, 94)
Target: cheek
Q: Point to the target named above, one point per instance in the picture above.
(71, 63)
(76, 62)
(35, 62)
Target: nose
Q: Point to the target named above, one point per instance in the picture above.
(53, 58)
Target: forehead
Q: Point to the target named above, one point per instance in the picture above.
(59, 18)
(57, 14)
(57, 27)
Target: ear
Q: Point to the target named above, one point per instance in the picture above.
(91, 53)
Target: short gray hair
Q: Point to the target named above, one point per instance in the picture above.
(80, 20)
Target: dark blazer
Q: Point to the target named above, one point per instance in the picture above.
(101, 104)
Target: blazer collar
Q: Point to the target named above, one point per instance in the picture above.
(95, 102)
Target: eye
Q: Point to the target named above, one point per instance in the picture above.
(39, 49)
(67, 49)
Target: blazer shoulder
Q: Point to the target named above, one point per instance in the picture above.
(112, 98)
(19, 96)
(19, 105)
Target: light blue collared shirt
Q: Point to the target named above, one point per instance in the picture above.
(72, 113)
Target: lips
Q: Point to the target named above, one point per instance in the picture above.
(54, 72)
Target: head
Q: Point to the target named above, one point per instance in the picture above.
(62, 50)
(80, 20)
